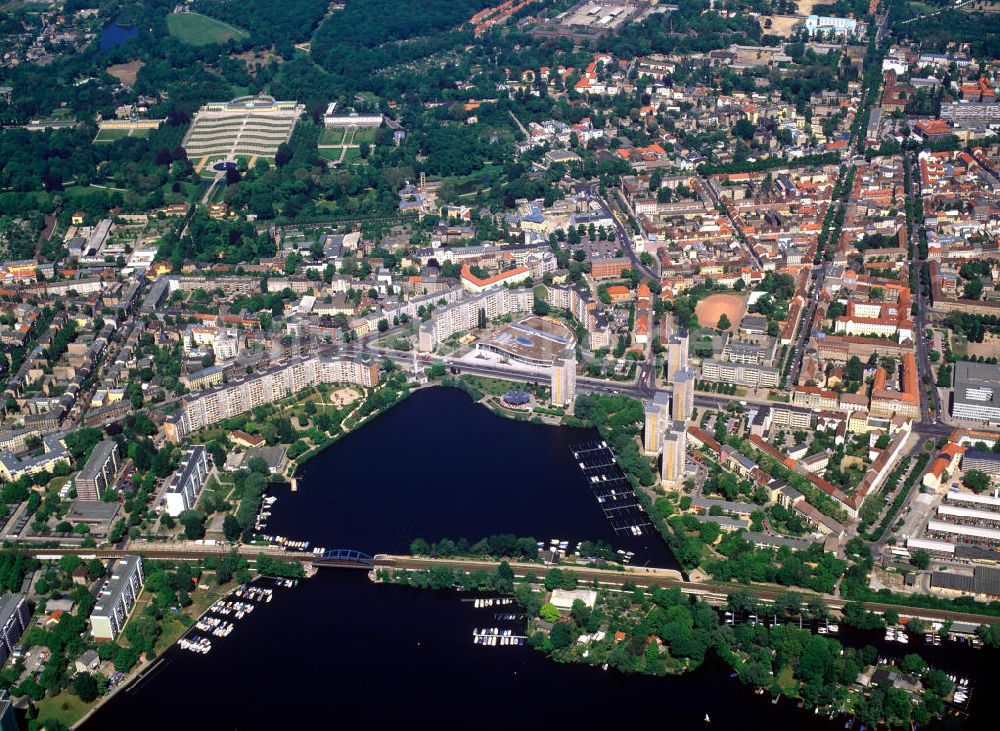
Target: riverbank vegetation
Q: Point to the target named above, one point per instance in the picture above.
(278, 567)
(504, 546)
(663, 631)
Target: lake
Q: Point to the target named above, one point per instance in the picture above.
(339, 650)
(115, 35)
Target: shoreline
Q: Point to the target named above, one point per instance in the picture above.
(728, 655)
(150, 665)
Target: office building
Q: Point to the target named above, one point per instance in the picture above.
(563, 378)
(674, 446)
(117, 598)
(14, 617)
(657, 417)
(683, 401)
(977, 392)
(99, 472)
(187, 482)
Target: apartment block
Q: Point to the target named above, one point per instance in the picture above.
(563, 379)
(677, 353)
(189, 479)
(272, 385)
(657, 417)
(683, 401)
(14, 617)
(464, 315)
(99, 472)
(674, 446)
(117, 598)
(755, 376)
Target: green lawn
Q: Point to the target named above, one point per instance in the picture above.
(330, 153)
(65, 707)
(200, 30)
(111, 135)
(365, 135)
(331, 137)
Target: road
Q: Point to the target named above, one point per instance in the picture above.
(929, 411)
(805, 330)
(624, 235)
(927, 430)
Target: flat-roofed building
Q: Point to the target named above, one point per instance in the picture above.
(97, 475)
(677, 353)
(464, 314)
(14, 617)
(187, 482)
(563, 378)
(683, 402)
(116, 598)
(791, 418)
(674, 454)
(977, 392)
(740, 374)
(657, 415)
(533, 341)
(265, 387)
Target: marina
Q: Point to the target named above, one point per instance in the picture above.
(611, 487)
(219, 620)
(495, 636)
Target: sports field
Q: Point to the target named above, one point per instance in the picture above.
(710, 309)
(200, 30)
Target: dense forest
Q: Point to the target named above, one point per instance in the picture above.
(370, 36)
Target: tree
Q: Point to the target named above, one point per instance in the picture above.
(85, 686)
(194, 524)
(420, 547)
(920, 558)
(231, 528)
(549, 613)
(724, 323)
(383, 325)
(976, 480)
(744, 128)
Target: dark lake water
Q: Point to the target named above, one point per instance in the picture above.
(340, 651)
(440, 466)
(115, 35)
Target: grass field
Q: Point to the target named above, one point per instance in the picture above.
(111, 135)
(200, 30)
(331, 137)
(64, 706)
(365, 135)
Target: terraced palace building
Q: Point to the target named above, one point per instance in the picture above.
(248, 126)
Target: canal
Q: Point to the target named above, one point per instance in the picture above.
(338, 649)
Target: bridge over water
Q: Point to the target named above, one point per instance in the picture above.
(344, 558)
